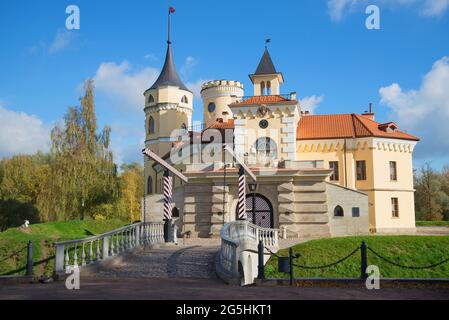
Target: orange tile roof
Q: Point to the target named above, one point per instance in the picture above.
(344, 126)
(256, 100)
(220, 124)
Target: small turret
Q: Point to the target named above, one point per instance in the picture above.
(267, 81)
(217, 96)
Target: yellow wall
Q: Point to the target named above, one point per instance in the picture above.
(377, 153)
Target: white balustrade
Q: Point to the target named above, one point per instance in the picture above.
(107, 245)
(238, 236)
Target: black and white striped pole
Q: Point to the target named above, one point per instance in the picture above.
(242, 194)
(168, 209)
(244, 170)
(168, 191)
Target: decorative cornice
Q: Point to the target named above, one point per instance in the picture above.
(252, 111)
(168, 106)
(381, 144)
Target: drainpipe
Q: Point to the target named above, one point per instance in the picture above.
(345, 167)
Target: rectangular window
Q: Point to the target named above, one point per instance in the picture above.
(355, 212)
(395, 207)
(393, 171)
(361, 170)
(333, 165)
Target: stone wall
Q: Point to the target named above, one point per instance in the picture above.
(347, 199)
(303, 209)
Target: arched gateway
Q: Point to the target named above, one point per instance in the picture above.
(259, 211)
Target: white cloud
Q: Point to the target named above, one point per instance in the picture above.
(425, 111)
(434, 7)
(62, 40)
(337, 9)
(195, 87)
(188, 66)
(310, 103)
(21, 133)
(123, 84)
(151, 56)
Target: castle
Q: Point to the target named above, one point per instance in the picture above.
(317, 175)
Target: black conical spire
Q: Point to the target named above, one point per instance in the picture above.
(266, 65)
(169, 76)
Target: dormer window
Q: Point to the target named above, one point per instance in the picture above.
(388, 127)
(150, 99)
(185, 100)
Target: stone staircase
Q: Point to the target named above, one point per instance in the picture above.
(187, 260)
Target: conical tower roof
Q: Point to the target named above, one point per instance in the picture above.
(266, 65)
(169, 76)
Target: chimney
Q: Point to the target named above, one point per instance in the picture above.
(369, 114)
(225, 116)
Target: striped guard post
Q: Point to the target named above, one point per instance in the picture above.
(242, 194)
(168, 192)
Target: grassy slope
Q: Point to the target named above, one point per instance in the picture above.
(43, 236)
(405, 250)
(432, 223)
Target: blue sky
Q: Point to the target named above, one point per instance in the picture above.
(327, 55)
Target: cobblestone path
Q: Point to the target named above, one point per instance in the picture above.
(182, 261)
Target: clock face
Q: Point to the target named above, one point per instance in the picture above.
(263, 124)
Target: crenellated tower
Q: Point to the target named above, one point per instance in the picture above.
(217, 96)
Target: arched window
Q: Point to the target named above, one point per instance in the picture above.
(262, 88)
(267, 147)
(269, 88)
(150, 99)
(150, 185)
(184, 99)
(183, 126)
(339, 212)
(151, 125)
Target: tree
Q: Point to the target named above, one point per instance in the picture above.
(131, 189)
(83, 170)
(429, 196)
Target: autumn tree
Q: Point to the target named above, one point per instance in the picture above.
(83, 169)
(131, 189)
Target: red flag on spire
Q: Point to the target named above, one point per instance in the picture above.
(171, 10)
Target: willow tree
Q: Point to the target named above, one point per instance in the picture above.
(83, 170)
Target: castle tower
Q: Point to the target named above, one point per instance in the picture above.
(217, 96)
(267, 81)
(168, 109)
(168, 106)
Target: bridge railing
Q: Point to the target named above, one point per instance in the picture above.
(240, 236)
(90, 250)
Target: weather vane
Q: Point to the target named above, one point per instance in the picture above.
(267, 41)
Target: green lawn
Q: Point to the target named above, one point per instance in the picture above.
(432, 224)
(43, 237)
(405, 250)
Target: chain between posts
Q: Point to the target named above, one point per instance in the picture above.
(14, 254)
(331, 264)
(407, 267)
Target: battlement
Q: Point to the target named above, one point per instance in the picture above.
(221, 84)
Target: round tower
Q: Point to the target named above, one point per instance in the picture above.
(217, 96)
